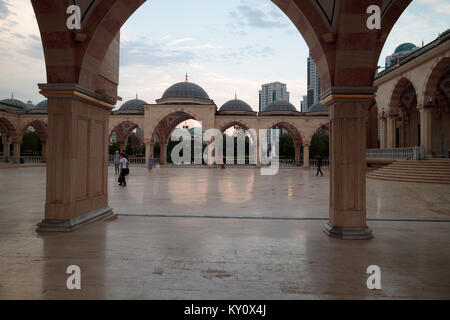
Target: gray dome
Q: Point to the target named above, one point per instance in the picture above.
(318, 107)
(405, 47)
(15, 103)
(43, 105)
(280, 106)
(134, 104)
(236, 105)
(185, 90)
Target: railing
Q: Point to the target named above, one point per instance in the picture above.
(135, 161)
(410, 153)
(313, 163)
(32, 159)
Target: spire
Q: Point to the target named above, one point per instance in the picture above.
(187, 77)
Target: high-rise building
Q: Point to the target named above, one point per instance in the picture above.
(313, 94)
(303, 104)
(400, 52)
(270, 92)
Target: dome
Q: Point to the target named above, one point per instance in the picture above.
(134, 104)
(318, 107)
(236, 105)
(185, 90)
(30, 105)
(405, 47)
(15, 103)
(280, 105)
(41, 105)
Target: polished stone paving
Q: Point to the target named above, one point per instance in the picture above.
(155, 253)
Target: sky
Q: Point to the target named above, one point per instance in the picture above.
(226, 47)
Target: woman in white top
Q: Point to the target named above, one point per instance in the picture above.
(124, 170)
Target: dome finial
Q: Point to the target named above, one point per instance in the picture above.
(235, 96)
(12, 95)
(422, 43)
(187, 77)
(439, 37)
(136, 96)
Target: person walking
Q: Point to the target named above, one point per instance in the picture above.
(150, 163)
(116, 162)
(319, 166)
(124, 170)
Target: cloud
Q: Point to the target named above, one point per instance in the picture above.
(438, 6)
(257, 16)
(154, 53)
(178, 41)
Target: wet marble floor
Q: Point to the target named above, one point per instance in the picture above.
(189, 233)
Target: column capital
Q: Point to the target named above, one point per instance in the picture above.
(427, 106)
(75, 91)
(334, 94)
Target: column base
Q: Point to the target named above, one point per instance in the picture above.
(75, 223)
(348, 233)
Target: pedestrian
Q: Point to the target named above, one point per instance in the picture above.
(124, 170)
(150, 163)
(319, 166)
(116, 162)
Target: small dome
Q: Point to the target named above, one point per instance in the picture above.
(280, 105)
(30, 105)
(236, 105)
(318, 107)
(134, 104)
(185, 90)
(405, 47)
(15, 103)
(43, 105)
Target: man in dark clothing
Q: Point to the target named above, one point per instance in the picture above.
(319, 166)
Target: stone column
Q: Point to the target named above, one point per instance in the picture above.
(383, 144)
(425, 128)
(162, 153)
(122, 146)
(306, 155)
(297, 154)
(149, 150)
(6, 148)
(16, 149)
(44, 151)
(77, 133)
(348, 114)
(390, 132)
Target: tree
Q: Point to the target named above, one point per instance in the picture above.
(320, 144)
(31, 143)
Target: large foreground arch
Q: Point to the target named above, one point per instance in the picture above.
(82, 75)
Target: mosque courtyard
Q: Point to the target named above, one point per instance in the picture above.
(199, 233)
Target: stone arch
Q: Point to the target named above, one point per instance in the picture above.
(7, 128)
(40, 127)
(164, 125)
(295, 133)
(315, 128)
(402, 84)
(123, 129)
(434, 76)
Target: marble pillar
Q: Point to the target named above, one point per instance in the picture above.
(16, 150)
(306, 155)
(163, 153)
(347, 214)
(390, 132)
(77, 157)
(425, 128)
(297, 154)
(6, 148)
(149, 150)
(383, 141)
